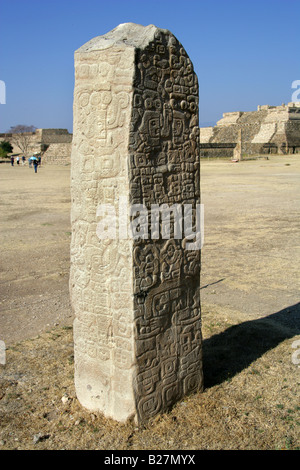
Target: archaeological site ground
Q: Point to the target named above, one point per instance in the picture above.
(250, 317)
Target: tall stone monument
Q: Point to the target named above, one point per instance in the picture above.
(135, 279)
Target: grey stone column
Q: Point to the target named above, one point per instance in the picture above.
(135, 280)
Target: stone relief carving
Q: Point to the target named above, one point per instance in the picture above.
(137, 328)
(165, 169)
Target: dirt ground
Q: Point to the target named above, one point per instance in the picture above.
(250, 315)
(34, 252)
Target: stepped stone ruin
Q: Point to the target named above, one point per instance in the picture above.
(136, 299)
(54, 145)
(269, 130)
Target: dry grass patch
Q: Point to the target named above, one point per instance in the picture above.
(251, 399)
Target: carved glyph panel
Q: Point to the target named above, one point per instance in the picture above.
(137, 329)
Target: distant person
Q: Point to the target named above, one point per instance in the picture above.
(23, 160)
(35, 164)
(40, 160)
(18, 160)
(29, 162)
(12, 161)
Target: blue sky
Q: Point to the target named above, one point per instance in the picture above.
(244, 52)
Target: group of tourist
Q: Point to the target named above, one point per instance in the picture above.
(33, 161)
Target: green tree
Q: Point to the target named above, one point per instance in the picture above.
(5, 148)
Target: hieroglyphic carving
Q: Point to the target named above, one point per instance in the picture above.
(165, 170)
(137, 330)
(101, 285)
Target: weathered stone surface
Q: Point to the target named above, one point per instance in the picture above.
(58, 154)
(58, 141)
(270, 129)
(137, 330)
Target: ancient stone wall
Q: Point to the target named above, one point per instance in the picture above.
(270, 129)
(58, 154)
(60, 141)
(35, 145)
(55, 136)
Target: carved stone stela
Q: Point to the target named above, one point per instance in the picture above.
(137, 328)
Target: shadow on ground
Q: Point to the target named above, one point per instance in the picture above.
(228, 353)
